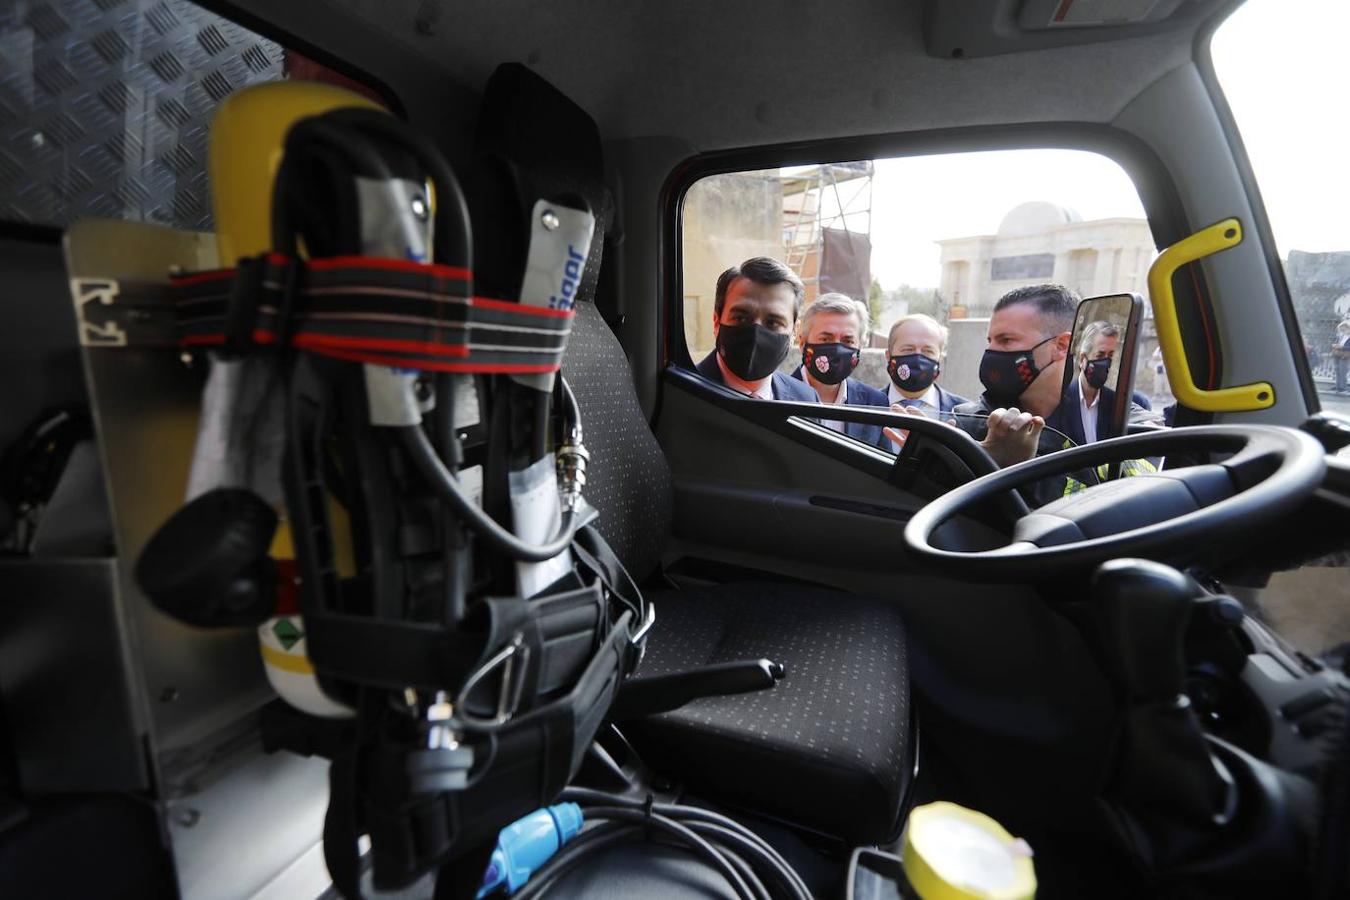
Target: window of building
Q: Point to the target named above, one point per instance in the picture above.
(1289, 111)
(105, 106)
(945, 235)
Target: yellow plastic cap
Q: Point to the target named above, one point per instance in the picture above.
(954, 853)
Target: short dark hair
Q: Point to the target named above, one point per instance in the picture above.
(761, 270)
(1056, 304)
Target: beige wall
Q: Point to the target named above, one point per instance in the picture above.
(727, 220)
(965, 346)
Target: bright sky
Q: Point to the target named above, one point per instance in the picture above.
(1283, 68)
(918, 200)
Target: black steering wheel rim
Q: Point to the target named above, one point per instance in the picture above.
(1261, 493)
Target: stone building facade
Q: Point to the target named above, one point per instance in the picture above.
(1038, 242)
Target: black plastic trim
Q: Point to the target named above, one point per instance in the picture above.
(1204, 63)
(858, 507)
(795, 420)
(30, 232)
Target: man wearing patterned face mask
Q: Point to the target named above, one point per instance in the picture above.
(915, 349)
(754, 310)
(831, 334)
(1023, 370)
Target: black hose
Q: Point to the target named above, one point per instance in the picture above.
(739, 850)
(747, 850)
(319, 130)
(746, 872)
(588, 799)
(686, 838)
(573, 414)
(424, 457)
(454, 231)
(605, 835)
(539, 428)
(590, 841)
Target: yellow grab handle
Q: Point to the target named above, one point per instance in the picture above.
(1243, 397)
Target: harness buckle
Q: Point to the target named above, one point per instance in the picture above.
(512, 686)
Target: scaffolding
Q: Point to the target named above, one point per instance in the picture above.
(832, 195)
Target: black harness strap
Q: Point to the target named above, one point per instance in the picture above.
(367, 309)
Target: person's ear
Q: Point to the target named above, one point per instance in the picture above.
(1061, 346)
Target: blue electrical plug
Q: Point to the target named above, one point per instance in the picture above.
(528, 843)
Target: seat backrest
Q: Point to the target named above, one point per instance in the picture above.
(627, 479)
(519, 159)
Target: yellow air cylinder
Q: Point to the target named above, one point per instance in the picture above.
(248, 135)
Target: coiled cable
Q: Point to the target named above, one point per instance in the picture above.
(752, 868)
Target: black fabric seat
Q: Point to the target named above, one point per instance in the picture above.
(826, 747)
(830, 747)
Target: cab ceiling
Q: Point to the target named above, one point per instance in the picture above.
(734, 74)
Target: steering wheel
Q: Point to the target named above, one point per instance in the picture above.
(1176, 515)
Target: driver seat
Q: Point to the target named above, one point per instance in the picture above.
(831, 747)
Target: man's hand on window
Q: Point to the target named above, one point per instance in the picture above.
(1013, 436)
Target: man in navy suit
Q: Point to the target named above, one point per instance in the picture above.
(754, 311)
(915, 348)
(831, 334)
(1087, 393)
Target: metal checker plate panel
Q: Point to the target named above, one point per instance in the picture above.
(105, 106)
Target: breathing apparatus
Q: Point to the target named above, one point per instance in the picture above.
(479, 628)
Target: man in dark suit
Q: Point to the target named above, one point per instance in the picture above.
(1025, 411)
(915, 349)
(1087, 393)
(831, 334)
(754, 311)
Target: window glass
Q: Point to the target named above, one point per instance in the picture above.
(105, 106)
(1281, 66)
(946, 235)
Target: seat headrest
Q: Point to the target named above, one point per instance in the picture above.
(532, 142)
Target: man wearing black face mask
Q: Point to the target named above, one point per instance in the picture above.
(754, 310)
(1096, 350)
(831, 334)
(1088, 390)
(1023, 371)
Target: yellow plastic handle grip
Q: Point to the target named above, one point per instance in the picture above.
(1240, 398)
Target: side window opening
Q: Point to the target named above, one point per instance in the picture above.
(1287, 111)
(942, 236)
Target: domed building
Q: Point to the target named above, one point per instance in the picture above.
(1039, 241)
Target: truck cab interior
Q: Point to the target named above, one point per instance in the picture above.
(811, 636)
